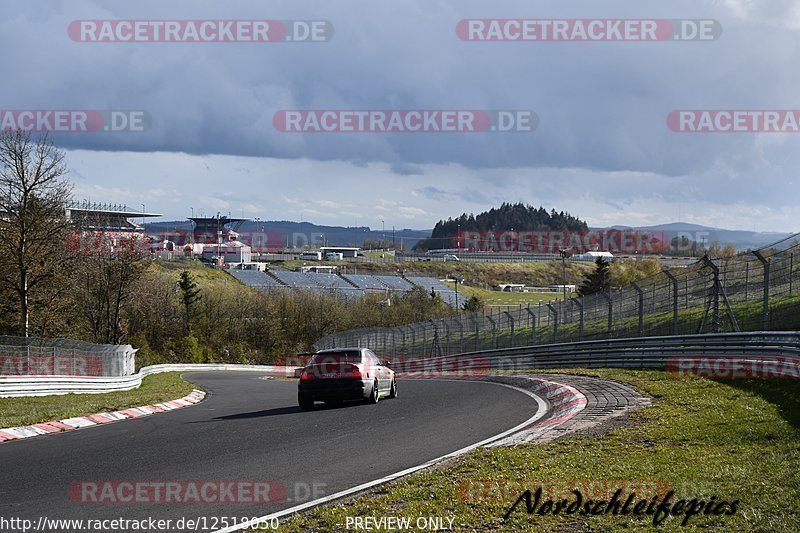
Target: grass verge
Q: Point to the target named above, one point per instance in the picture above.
(34, 409)
(730, 440)
(507, 299)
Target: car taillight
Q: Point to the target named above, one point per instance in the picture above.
(354, 374)
(305, 376)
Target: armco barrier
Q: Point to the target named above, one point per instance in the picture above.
(645, 352)
(53, 385)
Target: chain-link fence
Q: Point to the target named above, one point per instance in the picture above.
(33, 356)
(751, 291)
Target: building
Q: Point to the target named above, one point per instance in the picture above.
(320, 269)
(345, 251)
(107, 227)
(592, 256)
(232, 252)
(511, 287)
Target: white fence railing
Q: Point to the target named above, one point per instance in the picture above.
(12, 386)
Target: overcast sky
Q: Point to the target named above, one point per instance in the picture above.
(602, 149)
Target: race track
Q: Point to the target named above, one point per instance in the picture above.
(251, 429)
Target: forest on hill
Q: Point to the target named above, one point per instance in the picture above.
(508, 216)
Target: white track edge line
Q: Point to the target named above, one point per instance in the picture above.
(540, 413)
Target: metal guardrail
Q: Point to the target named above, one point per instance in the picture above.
(14, 386)
(644, 352)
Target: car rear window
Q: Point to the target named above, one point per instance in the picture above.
(336, 357)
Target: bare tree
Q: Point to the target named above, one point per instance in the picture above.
(105, 280)
(33, 226)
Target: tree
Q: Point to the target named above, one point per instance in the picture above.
(473, 304)
(106, 278)
(33, 225)
(190, 294)
(597, 280)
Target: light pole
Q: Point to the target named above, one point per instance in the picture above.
(383, 233)
(458, 280)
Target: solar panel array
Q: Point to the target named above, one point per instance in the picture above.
(449, 296)
(254, 278)
(319, 282)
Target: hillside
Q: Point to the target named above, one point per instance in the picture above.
(519, 217)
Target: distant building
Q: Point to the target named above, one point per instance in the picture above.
(106, 227)
(594, 255)
(345, 251)
(321, 269)
(560, 288)
(231, 252)
(511, 287)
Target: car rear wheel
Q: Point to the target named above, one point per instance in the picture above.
(393, 391)
(305, 402)
(375, 396)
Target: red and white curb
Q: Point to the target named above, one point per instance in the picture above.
(68, 424)
(565, 403)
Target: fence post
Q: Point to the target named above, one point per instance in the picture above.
(765, 313)
(686, 291)
(533, 325)
(511, 318)
(746, 279)
(607, 296)
(477, 332)
(674, 281)
(580, 315)
(446, 351)
(640, 293)
(555, 321)
(494, 332)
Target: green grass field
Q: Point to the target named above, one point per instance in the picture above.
(703, 439)
(507, 299)
(34, 409)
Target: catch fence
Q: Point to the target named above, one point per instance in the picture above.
(750, 291)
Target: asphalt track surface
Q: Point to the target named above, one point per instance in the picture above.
(251, 429)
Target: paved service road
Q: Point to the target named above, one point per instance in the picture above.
(248, 429)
